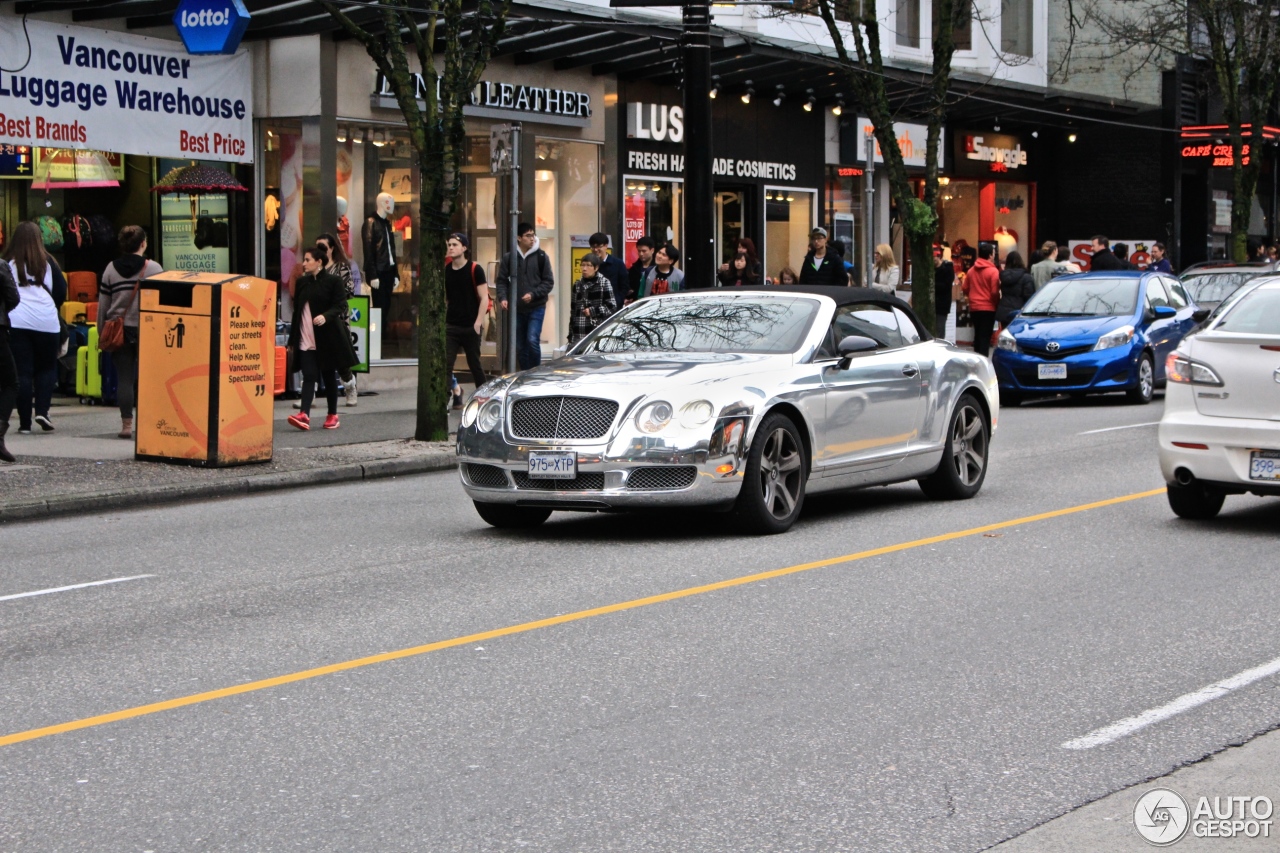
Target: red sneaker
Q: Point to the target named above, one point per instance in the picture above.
(331, 422)
(300, 420)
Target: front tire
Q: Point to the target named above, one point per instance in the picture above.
(1194, 501)
(508, 517)
(963, 468)
(773, 482)
(1142, 393)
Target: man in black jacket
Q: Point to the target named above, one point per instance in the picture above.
(645, 247)
(611, 267)
(1102, 259)
(944, 276)
(821, 265)
(534, 282)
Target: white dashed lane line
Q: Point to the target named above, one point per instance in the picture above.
(34, 593)
(1113, 429)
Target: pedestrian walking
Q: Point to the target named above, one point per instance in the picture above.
(1047, 268)
(340, 266)
(1102, 259)
(318, 337)
(944, 278)
(592, 301)
(9, 300)
(887, 274)
(34, 328)
(118, 298)
(1017, 285)
(466, 296)
(645, 249)
(738, 273)
(1159, 260)
(787, 275)
(663, 277)
(822, 265)
(535, 282)
(744, 249)
(982, 286)
(611, 266)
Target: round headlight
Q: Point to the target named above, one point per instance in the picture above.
(470, 412)
(490, 415)
(696, 414)
(654, 417)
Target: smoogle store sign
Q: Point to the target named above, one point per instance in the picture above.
(86, 88)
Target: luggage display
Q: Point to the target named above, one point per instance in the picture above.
(82, 286)
(91, 312)
(88, 369)
(74, 312)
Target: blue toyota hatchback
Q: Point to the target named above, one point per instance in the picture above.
(1094, 333)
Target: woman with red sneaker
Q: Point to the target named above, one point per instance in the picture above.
(317, 336)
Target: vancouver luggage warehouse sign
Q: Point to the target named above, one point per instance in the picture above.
(79, 87)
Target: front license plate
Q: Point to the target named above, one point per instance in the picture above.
(1051, 371)
(553, 466)
(1264, 465)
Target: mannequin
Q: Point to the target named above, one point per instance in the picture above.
(380, 270)
(344, 225)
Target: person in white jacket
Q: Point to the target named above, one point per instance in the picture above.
(887, 273)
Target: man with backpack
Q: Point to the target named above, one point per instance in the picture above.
(535, 281)
(467, 299)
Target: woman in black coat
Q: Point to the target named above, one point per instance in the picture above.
(318, 336)
(1016, 287)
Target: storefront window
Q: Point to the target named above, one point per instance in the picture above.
(652, 207)
(1013, 219)
(1015, 26)
(958, 212)
(389, 168)
(844, 209)
(282, 199)
(566, 209)
(788, 221)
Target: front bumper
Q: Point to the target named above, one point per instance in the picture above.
(629, 470)
(1225, 464)
(1100, 371)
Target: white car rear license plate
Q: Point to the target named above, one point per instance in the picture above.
(1264, 465)
(1051, 371)
(552, 465)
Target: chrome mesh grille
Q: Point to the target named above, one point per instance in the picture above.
(490, 476)
(586, 481)
(562, 417)
(662, 478)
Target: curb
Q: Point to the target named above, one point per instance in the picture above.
(116, 499)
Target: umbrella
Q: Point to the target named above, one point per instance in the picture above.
(88, 169)
(195, 181)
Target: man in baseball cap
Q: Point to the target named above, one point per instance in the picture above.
(821, 265)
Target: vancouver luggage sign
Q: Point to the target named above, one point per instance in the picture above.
(93, 89)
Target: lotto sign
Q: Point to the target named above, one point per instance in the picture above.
(107, 91)
(358, 322)
(211, 26)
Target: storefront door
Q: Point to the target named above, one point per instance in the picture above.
(730, 215)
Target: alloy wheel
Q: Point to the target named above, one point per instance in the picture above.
(1146, 378)
(968, 445)
(781, 470)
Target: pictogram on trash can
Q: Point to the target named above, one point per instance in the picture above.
(206, 367)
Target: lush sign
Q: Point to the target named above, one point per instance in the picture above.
(211, 26)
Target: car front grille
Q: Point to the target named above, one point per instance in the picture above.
(662, 478)
(562, 417)
(1040, 352)
(1030, 377)
(586, 481)
(488, 476)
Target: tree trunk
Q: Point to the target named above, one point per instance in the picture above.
(433, 373)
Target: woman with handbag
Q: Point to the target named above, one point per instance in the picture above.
(118, 316)
(35, 331)
(318, 336)
(340, 266)
(9, 299)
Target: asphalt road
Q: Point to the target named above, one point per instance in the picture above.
(915, 698)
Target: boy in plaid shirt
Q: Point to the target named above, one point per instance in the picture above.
(592, 300)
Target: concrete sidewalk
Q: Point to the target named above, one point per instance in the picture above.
(83, 467)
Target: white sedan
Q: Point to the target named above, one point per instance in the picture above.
(1220, 434)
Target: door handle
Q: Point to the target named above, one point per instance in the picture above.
(909, 370)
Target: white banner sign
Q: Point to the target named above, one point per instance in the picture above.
(913, 142)
(1139, 252)
(87, 88)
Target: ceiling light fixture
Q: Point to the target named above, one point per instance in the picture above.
(715, 85)
(780, 96)
(746, 96)
(1071, 137)
(811, 100)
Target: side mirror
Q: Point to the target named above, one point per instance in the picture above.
(851, 346)
(1201, 314)
(1164, 312)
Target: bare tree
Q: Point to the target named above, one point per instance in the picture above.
(465, 35)
(1237, 40)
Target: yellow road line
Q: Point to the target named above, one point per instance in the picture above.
(304, 675)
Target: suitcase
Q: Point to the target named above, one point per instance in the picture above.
(281, 371)
(82, 286)
(89, 369)
(91, 311)
(73, 312)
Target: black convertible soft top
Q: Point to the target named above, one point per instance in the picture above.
(841, 296)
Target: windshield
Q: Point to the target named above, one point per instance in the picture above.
(1216, 286)
(728, 324)
(1084, 297)
(1256, 313)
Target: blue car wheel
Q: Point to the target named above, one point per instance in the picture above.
(1144, 387)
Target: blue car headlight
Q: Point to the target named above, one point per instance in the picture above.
(1118, 338)
(1006, 341)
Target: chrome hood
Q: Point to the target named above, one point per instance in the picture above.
(629, 374)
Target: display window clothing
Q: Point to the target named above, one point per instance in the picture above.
(461, 296)
(38, 302)
(656, 282)
(982, 286)
(379, 240)
(1016, 287)
(115, 289)
(886, 278)
(828, 269)
(592, 302)
(535, 277)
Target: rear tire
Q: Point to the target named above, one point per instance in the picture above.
(963, 468)
(773, 483)
(1194, 501)
(1142, 393)
(508, 517)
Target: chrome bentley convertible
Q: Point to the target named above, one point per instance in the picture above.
(741, 400)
